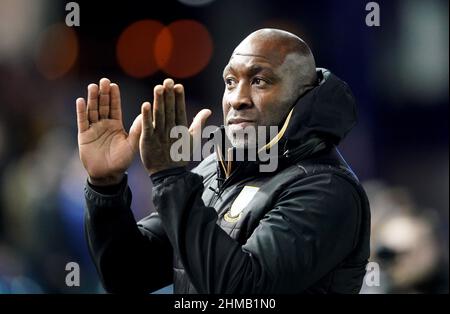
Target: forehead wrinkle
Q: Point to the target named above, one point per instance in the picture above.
(269, 51)
(252, 55)
(252, 69)
(272, 58)
(250, 65)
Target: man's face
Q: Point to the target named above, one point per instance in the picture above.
(258, 92)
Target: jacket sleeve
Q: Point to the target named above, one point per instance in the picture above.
(129, 257)
(308, 232)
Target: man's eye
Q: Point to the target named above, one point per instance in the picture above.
(259, 81)
(230, 82)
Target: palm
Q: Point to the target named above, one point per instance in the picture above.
(106, 150)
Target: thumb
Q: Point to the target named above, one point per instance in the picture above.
(135, 132)
(199, 121)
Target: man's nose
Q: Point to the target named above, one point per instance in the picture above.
(240, 98)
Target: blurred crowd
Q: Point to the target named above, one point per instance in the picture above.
(408, 242)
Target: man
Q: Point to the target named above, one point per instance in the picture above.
(227, 227)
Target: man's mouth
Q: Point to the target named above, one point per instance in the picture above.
(240, 122)
(237, 124)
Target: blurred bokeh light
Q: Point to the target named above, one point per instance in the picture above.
(136, 48)
(20, 21)
(57, 51)
(184, 48)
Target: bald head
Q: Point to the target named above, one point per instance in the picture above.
(267, 72)
(284, 50)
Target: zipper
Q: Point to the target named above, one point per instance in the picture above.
(217, 190)
(221, 188)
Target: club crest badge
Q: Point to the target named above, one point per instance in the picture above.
(239, 204)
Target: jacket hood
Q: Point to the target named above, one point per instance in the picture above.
(327, 111)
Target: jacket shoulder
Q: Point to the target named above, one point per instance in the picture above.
(207, 166)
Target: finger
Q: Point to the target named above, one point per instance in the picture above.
(199, 121)
(147, 121)
(115, 111)
(135, 133)
(169, 104)
(158, 110)
(180, 106)
(92, 103)
(82, 118)
(103, 98)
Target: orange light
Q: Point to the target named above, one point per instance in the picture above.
(183, 48)
(57, 51)
(136, 48)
